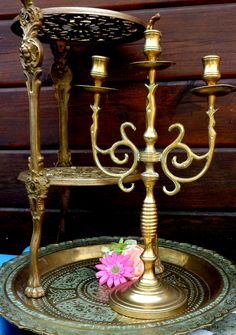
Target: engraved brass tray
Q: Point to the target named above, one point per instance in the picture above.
(75, 304)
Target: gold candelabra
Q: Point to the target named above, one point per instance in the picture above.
(150, 297)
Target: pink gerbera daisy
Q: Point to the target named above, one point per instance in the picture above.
(115, 269)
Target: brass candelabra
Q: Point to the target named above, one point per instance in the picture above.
(150, 297)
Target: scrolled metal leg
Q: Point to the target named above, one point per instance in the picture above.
(37, 188)
(62, 77)
(31, 55)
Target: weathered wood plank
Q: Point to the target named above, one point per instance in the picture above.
(13, 6)
(186, 38)
(216, 190)
(211, 230)
(175, 103)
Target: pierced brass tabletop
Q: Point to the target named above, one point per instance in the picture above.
(85, 24)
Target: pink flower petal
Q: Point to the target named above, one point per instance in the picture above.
(100, 266)
(114, 257)
(103, 280)
(116, 281)
(110, 282)
(101, 274)
(123, 280)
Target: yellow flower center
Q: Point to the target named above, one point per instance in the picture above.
(115, 269)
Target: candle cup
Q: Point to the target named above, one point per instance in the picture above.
(152, 47)
(99, 69)
(211, 69)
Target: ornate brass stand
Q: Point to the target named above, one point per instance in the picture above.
(48, 25)
(150, 297)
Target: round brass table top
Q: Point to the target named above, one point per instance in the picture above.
(86, 25)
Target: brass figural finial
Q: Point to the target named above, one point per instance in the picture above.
(27, 3)
(152, 37)
(153, 20)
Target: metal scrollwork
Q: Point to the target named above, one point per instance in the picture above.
(31, 56)
(37, 186)
(99, 73)
(31, 51)
(112, 151)
(177, 144)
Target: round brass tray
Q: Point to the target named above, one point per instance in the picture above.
(75, 304)
(86, 24)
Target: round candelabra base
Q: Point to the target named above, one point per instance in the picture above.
(158, 302)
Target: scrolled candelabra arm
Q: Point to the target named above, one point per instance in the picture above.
(211, 75)
(99, 73)
(177, 144)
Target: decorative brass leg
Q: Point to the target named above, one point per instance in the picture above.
(62, 77)
(37, 188)
(31, 55)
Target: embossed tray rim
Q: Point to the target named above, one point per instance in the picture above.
(222, 304)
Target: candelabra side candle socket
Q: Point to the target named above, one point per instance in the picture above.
(150, 297)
